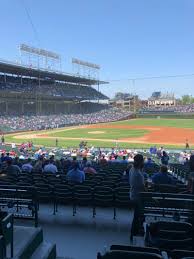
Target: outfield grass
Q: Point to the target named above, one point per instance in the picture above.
(113, 134)
(177, 123)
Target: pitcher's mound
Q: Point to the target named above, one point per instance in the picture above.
(96, 132)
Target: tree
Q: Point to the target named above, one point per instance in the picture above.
(192, 99)
(119, 95)
(123, 96)
(187, 99)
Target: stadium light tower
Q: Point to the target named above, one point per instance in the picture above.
(39, 58)
(87, 69)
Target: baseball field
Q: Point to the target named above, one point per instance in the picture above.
(134, 133)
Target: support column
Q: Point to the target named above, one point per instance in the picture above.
(55, 108)
(6, 107)
(40, 105)
(98, 90)
(22, 107)
(5, 79)
(134, 105)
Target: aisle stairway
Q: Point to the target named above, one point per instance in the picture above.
(29, 244)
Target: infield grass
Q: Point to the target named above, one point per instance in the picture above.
(100, 133)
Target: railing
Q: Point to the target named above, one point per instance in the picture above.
(20, 201)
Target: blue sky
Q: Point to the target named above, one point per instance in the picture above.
(128, 38)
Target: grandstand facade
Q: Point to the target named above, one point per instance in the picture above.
(27, 90)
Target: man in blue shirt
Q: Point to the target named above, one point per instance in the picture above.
(7, 157)
(149, 162)
(162, 177)
(27, 167)
(75, 175)
(12, 170)
(124, 161)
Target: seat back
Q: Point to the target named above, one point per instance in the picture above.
(122, 197)
(165, 188)
(120, 254)
(178, 254)
(174, 230)
(63, 193)
(103, 196)
(136, 248)
(83, 194)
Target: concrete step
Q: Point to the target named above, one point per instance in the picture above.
(26, 241)
(45, 250)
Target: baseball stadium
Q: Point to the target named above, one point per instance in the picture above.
(54, 124)
(41, 106)
(96, 161)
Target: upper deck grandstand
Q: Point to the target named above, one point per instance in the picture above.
(28, 90)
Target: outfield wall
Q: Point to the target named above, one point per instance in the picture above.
(166, 115)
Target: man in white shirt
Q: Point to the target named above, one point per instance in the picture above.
(51, 168)
(13, 145)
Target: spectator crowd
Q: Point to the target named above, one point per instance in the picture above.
(19, 123)
(47, 88)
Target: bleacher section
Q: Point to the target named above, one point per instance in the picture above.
(168, 109)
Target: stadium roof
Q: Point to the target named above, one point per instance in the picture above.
(18, 69)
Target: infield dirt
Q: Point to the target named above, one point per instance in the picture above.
(157, 135)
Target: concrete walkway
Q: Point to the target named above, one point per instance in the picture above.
(81, 236)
